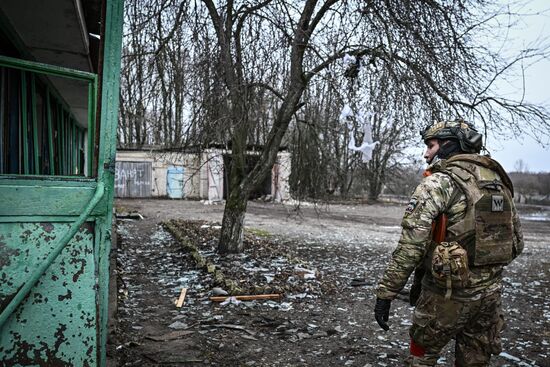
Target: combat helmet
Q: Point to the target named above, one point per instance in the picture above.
(459, 130)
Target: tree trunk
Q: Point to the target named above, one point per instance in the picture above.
(375, 188)
(231, 236)
(377, 177)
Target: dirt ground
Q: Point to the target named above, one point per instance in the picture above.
(325, 260)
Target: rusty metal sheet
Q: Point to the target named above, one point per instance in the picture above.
(133, 179)
(56, 325)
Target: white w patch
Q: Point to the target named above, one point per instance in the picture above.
(497, 203)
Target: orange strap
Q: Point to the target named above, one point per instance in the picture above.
(439, 225)
(417, 350)
(439, 228)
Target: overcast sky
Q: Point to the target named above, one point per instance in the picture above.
(537, 82)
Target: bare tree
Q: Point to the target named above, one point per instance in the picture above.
(429, 67)
(262, 67)
(296, 26)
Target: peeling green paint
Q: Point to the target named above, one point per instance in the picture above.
(70, 280)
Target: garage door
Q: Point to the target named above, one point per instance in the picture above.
(133, 179)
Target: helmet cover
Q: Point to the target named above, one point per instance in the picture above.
(465, 133)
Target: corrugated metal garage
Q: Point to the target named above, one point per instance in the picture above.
(133, 179)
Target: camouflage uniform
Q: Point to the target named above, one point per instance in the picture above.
(473, 314)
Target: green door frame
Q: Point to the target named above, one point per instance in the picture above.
(107, 147)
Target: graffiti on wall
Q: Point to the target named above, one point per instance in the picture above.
(133, 179)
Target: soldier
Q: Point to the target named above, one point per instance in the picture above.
(467, 197)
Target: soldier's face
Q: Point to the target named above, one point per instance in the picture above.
(432, 147)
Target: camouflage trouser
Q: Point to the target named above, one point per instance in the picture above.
(475, 325)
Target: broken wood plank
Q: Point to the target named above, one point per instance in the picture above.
(247, 297)
(179, 303)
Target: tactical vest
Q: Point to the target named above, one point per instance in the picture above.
(486, 231)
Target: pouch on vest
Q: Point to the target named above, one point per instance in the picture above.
(450, 266)
(494, 230)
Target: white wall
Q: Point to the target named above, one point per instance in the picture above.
(203, 173)
(160, 163)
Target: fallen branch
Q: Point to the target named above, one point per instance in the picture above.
(247, 298)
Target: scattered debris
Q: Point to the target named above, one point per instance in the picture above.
(170, 336)
(129, 216)
(509, 357)
(326, 281)
(200, 260)
(234, 327)
(230, 300)
(178, 325)
(357, 282)
(247, 297)
(172, 360)
(270, 269)
(249, 337)
(305, 273)
(217, 291)
(127, 345)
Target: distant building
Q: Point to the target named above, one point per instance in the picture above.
(160, 173)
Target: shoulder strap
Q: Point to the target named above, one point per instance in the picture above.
(486, 162)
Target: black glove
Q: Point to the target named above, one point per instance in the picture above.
(416, 286)
(382, 312)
